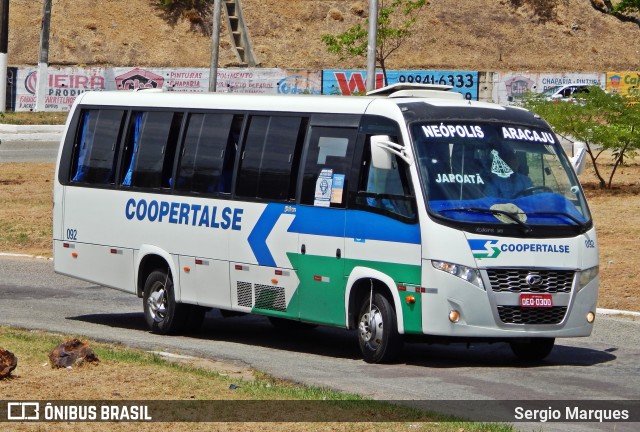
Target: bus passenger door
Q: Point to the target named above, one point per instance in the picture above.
(320, 222)
(382, 230)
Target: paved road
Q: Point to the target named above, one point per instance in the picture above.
(28, 151)
(604, 366)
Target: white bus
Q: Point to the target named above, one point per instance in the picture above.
(403, 214)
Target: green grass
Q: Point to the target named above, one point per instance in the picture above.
(32, 349)
(33, 118)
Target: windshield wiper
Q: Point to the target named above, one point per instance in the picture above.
(511, 215)
(567, 215)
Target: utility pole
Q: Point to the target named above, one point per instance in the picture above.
(215, 46)
(371, 45)
(43, 79)
(4, 44)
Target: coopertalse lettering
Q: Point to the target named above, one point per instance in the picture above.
(181, 213)
(527, 247)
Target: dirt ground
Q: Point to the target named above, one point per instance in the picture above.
(616, 213)
(126, 375)
(464, 35)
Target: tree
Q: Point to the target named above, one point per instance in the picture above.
(607, 123)
(197, 12)
(621, 10)
(626, 6)
(395, 20)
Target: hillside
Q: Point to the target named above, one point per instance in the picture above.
(460, 34)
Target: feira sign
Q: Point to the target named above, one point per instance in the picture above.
(63, 87)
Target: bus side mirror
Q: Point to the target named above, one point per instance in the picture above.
(579, 156)
(382, 151)
(380, 157)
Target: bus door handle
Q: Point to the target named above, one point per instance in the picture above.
(338, 253)
(303, 250)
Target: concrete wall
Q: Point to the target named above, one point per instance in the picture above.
(64, 84)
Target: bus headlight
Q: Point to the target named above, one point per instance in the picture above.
(469, 274)
(586, 276)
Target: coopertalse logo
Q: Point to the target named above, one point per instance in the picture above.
(493, 248)
(484, 248)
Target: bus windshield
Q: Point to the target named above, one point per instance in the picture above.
(491, 173)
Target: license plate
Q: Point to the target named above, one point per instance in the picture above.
(536, 300)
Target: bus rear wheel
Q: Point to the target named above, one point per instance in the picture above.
(533, 349)
(161, 312)
(378, 330)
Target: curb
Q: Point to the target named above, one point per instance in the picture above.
(17, 255)
(31, 132)
(614, 312)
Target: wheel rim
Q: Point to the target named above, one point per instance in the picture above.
(157, 302)
(371, 328)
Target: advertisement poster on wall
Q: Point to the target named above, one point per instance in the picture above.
(510, 86)
(349, 82)
(268, 81)
(624, 83)
(64, 84)
(196, 80)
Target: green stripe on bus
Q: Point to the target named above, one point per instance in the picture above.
(319, 297)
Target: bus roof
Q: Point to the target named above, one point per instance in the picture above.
(239, 101)
(275, 103)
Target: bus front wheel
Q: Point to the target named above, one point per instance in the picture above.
(162, 313)
(378, 330)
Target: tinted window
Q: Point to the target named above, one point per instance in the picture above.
(270, 157)
(96, 146)
(150, 149)
(386, 191)
(327, 166)
(208, 153)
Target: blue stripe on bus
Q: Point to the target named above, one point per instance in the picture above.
(258, 237)
(320, 221)
(371, 226)
(361, 225)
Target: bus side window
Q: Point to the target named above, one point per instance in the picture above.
(97, 141)
(270, 157)
(327, 166)
(386, 191)
(150, 149)
(208, 153)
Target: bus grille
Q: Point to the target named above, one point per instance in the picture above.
(244, 294)
(266, 296)
(523, 315)
(515, 280)
(270, 298)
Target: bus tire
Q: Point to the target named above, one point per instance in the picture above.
(162, 313)
(378, 330)
(534, 349)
